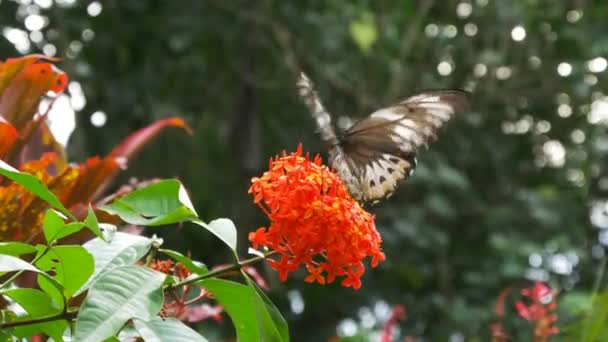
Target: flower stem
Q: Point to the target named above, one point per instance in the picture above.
(221, 271)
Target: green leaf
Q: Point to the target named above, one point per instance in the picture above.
(10, 263)
(34, 301)
(169, 329)
(247, 310)
(55, 228)
(7, 316)
(363, 31)
(124, 249)
(52, 288)
(162, 203)
(71, 266)
(277, 319)
(37, 304)
(192, 265)
(91, 222)
(118, 295)
(223, 228)
(16, 248)
(34, 185)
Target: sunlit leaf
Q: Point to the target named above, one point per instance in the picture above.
(71, 266)
(169, 329)
(91, 222)
(34, 185)
(123, 249)
(118, 295)
(222, 228)
(248, 311)
(10, 263)
(55, 228)
(16, 248)
(161, 203)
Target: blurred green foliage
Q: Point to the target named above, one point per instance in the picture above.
(502, 198)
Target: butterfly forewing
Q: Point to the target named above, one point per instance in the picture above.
(381, 149)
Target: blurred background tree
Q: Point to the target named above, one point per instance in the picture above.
(514, 191)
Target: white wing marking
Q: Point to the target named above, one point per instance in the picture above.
(386, 114)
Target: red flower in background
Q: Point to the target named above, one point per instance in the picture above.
(185, 304)
(397, 315)
(540, 311)
(314, 222)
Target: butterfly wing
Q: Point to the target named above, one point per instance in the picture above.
(379, 151)
(312, 101)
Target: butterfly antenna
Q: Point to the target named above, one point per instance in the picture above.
(312, 101)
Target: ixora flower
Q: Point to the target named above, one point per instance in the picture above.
(314, 222)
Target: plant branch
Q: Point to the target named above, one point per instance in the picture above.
(55, 317)
(221, 271)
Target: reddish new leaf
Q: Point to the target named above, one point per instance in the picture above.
(39, 141)
(22, 93)
(8, 135)
(92, 174)
(134, 142)
(12, 66)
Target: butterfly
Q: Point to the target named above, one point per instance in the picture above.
(378, 152)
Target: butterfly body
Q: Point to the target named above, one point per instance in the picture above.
(378, 152)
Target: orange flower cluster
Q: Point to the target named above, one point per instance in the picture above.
(313, 222)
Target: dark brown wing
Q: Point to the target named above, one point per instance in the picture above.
(380, 149)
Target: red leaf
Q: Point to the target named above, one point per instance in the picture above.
(8, 135)
(499, 308)
(134, 142)
(92, 175)
(12, 66)
(40, 140)
(22, 93)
